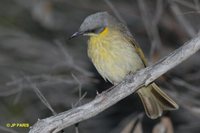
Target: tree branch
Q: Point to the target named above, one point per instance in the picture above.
(108, 98)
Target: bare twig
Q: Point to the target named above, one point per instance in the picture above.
(135, 125)
(10, 92)
(47, 80)
(181, 19)
(76, 128)
(81, 97)
(185, 84)
(70, 61)
(197, 6)
(106, 99)
(185, 100)
(165, 126)
(151, 26)
(41, 96)
(115, 11)
(158, 11)
(18, 96)
(50, 79)
(79, 85)
(8, 130)
(46, 77)
(193, 76)
(185, 3)
(79, 100)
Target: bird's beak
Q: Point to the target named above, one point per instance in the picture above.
(76, 34)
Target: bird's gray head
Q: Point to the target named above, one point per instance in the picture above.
(95, 23)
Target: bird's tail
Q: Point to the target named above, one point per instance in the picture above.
(155, 101)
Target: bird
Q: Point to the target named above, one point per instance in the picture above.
(115, 53)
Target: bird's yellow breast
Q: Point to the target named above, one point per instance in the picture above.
(113, 55)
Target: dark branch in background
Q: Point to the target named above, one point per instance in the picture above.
(185, 3)
(69, 60)
(106, 99)
(47, 79)
(7, 129)
(41, 96)
(78, 103)
(197, 6)
(151, 27)
(115, 11)
(181, 19)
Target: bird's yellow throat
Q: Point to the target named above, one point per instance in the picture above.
(98, 40)
(104, 32)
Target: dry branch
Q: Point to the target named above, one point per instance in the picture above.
(106, 99)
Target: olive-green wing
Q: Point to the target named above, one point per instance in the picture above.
(138, 50)
(125, 31)
(140, 53)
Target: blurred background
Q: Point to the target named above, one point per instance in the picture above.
(43, 73)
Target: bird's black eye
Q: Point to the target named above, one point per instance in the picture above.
(96, 30)
(99, 30)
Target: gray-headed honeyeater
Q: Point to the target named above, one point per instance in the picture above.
(115, 53)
